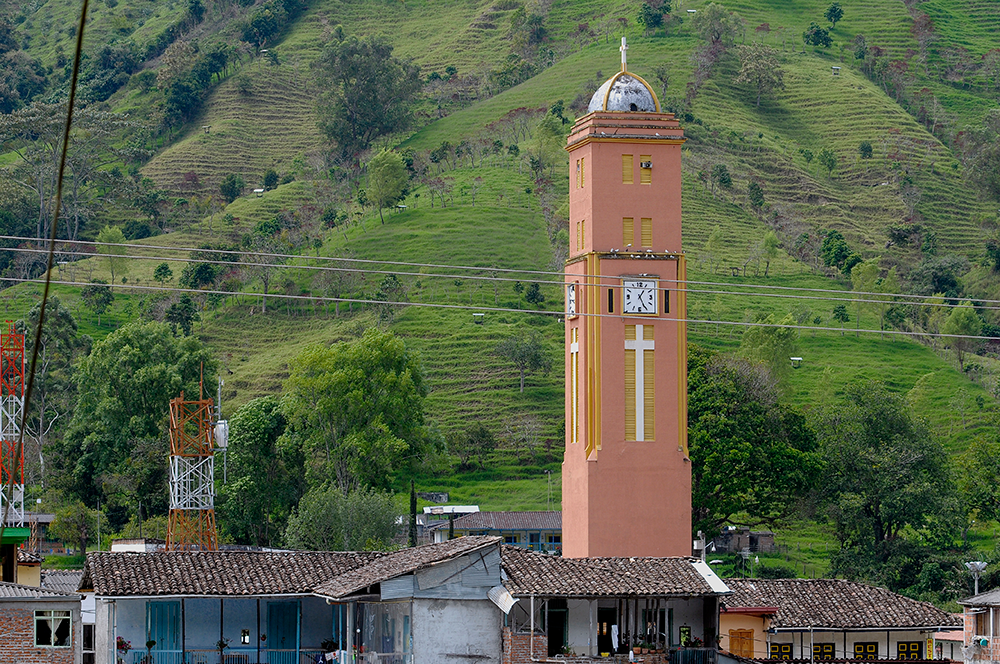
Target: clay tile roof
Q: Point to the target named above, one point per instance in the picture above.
(510, 521)
(398, 563)
(28, 558)
(215, 572)
(531, 573)
(15, 591)
(834, 604)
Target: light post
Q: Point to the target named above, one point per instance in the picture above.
(976, 568)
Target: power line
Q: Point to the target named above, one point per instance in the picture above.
(846, 296)
(495, 309)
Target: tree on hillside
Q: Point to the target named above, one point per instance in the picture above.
(526, 353)
(981, 155)
(840, 314)
(769, 249)
(367, 92)
(270, 179)
(98, 297)
(965, 322)
(752, 457)
(264, 478)
(75, 523)
(651, 15)
(833, 14)
(865, 149)
(356, 410)
(231, 187)
(817, 35)
(713, 245)
(116, 445)
(115, 256)
(828, 160)
(717, 25)
(771, 343)
(980, 473)
(162, 273)
(387, 180)
(326, 519)
(182, 313)
(886, 476)
(476, 443)
(59, 348)
(759, 68)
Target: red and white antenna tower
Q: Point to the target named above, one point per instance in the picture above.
(11, 412)
(191, 525)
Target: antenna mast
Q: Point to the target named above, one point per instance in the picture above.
(191, 525)
(11, 414)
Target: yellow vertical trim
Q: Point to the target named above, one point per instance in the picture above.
(646, 230)
(592, 427)
(577, 173)
(682, 388)
(628, 231)
(648, 399)
(583, 233)
(579, 237)
(645, 174)
(627, 170)
(583, 171)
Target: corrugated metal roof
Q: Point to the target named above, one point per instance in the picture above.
(16, 591)
(501, 521)
(62, 580)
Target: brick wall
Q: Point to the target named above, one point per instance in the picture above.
(17, 640)
(517, 647)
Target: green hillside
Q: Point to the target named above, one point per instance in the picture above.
(474, 227)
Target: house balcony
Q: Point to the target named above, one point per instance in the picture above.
(231, 655)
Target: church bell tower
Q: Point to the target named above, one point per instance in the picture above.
(626, 472)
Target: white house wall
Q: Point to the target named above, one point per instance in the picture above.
(886, 643)
(453, 630)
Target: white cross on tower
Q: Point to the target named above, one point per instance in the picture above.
(574, 350)
(639, 345)
(623, 49)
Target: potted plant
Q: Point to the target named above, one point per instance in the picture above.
(221, 646)
(148, 659)
(122, 646)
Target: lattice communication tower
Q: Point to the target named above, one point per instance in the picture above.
(11, 412)
(191, 525)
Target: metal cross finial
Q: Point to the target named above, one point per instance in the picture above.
(623, 49)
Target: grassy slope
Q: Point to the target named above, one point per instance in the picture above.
(814, 111)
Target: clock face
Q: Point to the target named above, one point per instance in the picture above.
(639, 296)
(571, 299)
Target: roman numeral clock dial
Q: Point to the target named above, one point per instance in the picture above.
(639, 296)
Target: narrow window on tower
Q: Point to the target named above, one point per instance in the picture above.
(583, 233)
(630, 382)
(577, 173)
(645, 169)
(628, 231)
(611, 300)
(579, 236)
(583, 171)
(647, 232)
(627, 174)
(666, 301)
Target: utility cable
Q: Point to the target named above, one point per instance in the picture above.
(26, 399)
(496, 309)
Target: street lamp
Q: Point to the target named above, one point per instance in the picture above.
(976, 568)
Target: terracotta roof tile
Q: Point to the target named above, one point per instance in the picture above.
(510, 521)
(834, 604)
(531, 573)
(215, 572)
(398, 563)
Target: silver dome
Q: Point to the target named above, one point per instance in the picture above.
(624, 92)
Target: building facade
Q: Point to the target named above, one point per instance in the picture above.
(626, 472)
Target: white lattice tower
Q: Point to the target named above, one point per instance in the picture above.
(11, 413)
(191, 525)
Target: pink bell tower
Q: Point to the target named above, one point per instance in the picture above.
(626, 471)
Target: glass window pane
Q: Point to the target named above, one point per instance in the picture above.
(62, 631)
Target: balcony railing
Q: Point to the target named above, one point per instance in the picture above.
(229, 656)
